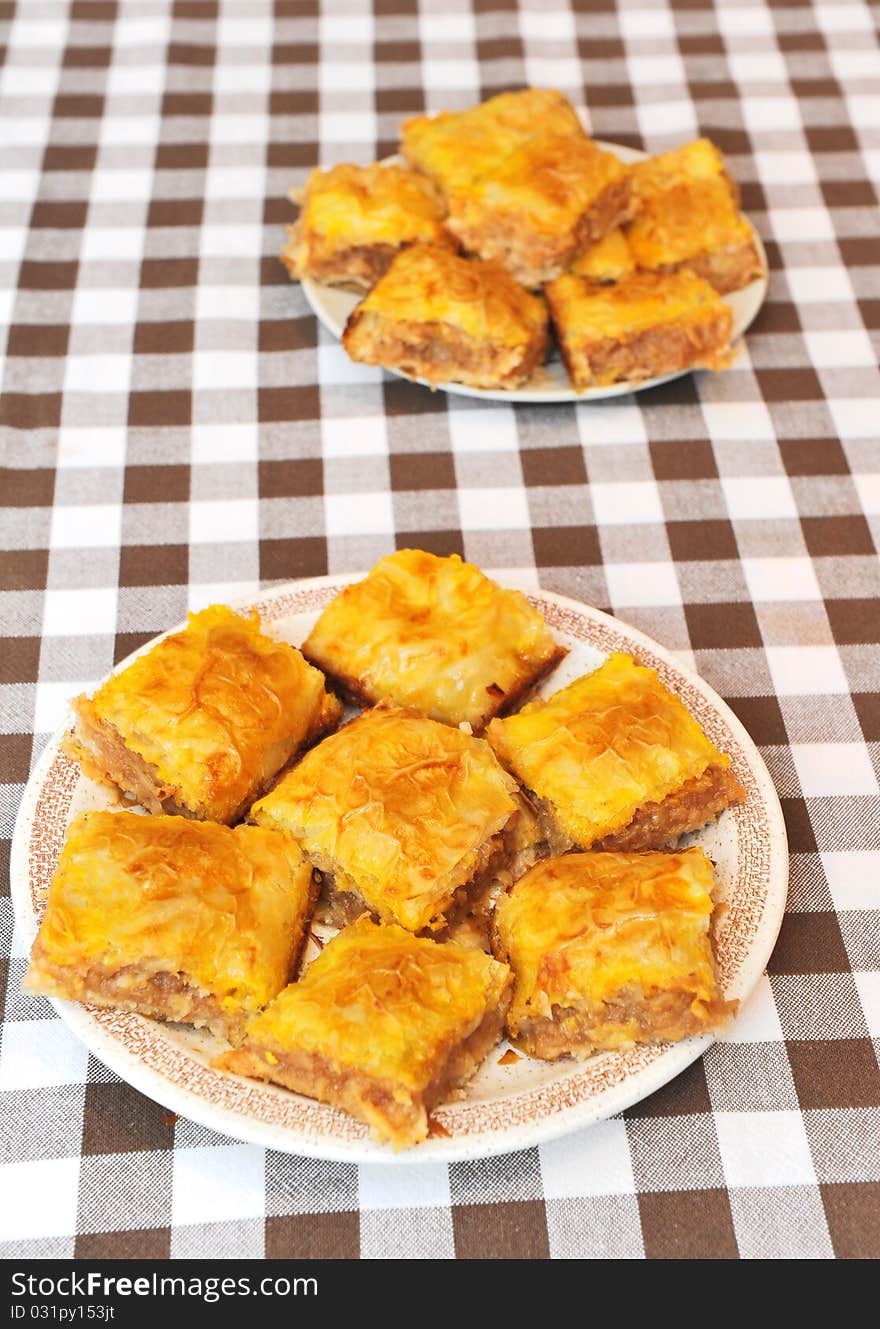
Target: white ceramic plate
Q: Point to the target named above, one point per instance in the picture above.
(333, 305)
(505, 1107)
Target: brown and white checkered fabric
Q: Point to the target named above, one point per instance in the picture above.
(176, 429)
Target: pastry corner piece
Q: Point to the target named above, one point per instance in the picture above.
(176, 919)
(434, 633)
(203, 722)
(383, 1025)
(609, 950)
(446, 319)
(404, 817)
(616, 761)
(354, 219)
(645, 325)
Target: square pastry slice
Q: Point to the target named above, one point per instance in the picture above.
(176, 919)
(540, 205)
(403, 816)
(354, 219)
(688, 217)
(608, 950)
(456, 147)
(647, 324)
(446, 319)
(433, 633)
(616, 761)
(606, 261)
(383, 1025)
(202, 723)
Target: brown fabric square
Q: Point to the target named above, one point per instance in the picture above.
(776, 316)
(187, 103)
(154, 565)
(858, 251)
(296, 53)
(762, 718)
(19, 659)
(79, 106)
(180, 53)
(64, 216)
(854, 621)
(441, 543)
(181, 156)
(127, 643)
(278, 211)
(829, 537)
(867, 706)
(809, 943)
(70, 157)
(404, 398)
(30, 410)
(508, 1230)
(314, 1237)
(15, 757)
(813, 456)
(722, 626)
(291, 479)
(87, 57)
(293, 101)
(288, 334)
(117, 1120)
(23, 569)
(422, 470)
(689, 460)
(688, 1093)
(159, 408)
(161, 273)
(790, 384)
(164, 338)
(157, 484)
(38, 339)
(553, 466)
(798, 827)
(870, 312)
(852, 1210)
(687, 1225)
(395, 101)
(286, 560)
(273, 272)
(94, 11)
(289, 156)
(831, 138)
(175, 212)
(37, 275)
(835, 1073)
(566, 546)
(848, 193)
(697, 541)
(153, 1243)
(27, 488)
(294, 403)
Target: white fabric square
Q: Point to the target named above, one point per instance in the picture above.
(829, 770)
(632, 503)
(550, 71)
(841, 17)
(754, 497)
(97, 373)
(354, 436)
(673, 117)
(779, 168)
(347, 127)
(502, 509)
(451, 75)
(802, 224)
(764, 1149)
(868, 985)
(116, 185)
(595, 1161)
(806, 671)
(240, 128)
(751, 19)
(852, 876)
(227, 303)
(203, 594)
(638, 24)
(70, 613)
(334, 366)
(52, 703)
(135, 80)
(416, 1186)
(864, 110)
(243, 241)
(438, 27)
(86, 526)
(218, 1183)
(868, 488)
(223, 521)
(225, 443)
(492, 429)
(350, 76)
(359, 514)
(91, 447)
(607, 425)
(546, 25)
(658, 69)
(757, 1020)
(642, 584)
(761, 113)
(757, 67)
(818, 285)
(856, 418)
(770, 579)
(840, 349)
(36, 1054)
(102, 244)
(738, 420)
(40, 1199)
(224, 369)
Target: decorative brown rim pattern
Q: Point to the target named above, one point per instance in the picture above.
(148, 1044)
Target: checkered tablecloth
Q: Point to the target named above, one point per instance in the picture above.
(177, 430)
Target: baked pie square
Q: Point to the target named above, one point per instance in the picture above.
(354, 219)
(616, 761)
(435, 634)
(446, 319)
(608, 950)
(403, 817)
(645, 325)
(607, 260)
(383, 1025)
(688, 218)
(177, 919)
(202, 723)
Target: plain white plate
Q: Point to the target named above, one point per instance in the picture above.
(504, 1107)
(333, 305)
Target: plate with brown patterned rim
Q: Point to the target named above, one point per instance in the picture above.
(506, 1106)
(332, 306)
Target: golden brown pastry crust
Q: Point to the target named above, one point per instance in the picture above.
(443, 318)
(176, 919)
(398, 810)
(607, 260)
(202, 723)
(354, 219)
(609, 950)
(645, 325)
(609, 748)
(434, 633)
(382, 1025)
